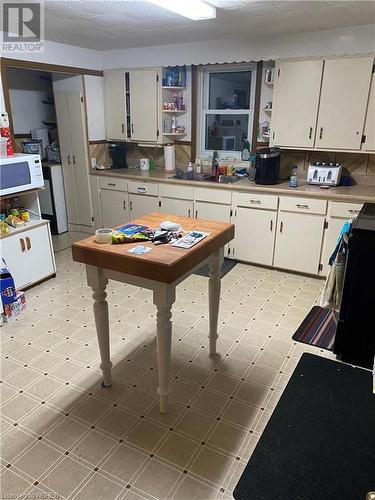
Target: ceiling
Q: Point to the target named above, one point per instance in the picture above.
(107, 24)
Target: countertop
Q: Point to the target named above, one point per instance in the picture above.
(357, 193)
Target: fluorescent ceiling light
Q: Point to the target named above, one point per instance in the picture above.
(193, 9)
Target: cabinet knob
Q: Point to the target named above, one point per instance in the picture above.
(68, 159)
(28, 243)
(124, 204)
(189, 212)
(74, 160)
(196, 214)
(310, 132)
(271, 225)
(131, 205)
(281, 226)
(122, 128)
(22, 243)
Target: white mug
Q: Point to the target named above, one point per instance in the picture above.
(144, 164)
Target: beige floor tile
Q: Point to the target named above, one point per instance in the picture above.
(183, 392)
(94, 447)
(66, 370)
(227, 438)
(14, 442)
(66, 398)
(23, 378)
(261, 375)
(17, 407)
(241, 414)
(65, 478)
(8, 366)
(195, 424)
(124, 462)
(27, 354)
(146, 435)
(166, 419)
(99, 488)
(251, 393)
(212, 465)
(157, 479)
(210, 402)
(41, 419)
(44, 387)
(177, 449)
(223, 383)
(270, 360)
(117, 422)
(196, 374)
(245, 352)
(129, 372)
(46, 362)
(67, 432)
(137, 400)
(91, 409)
(6, 393)
(38, 459)
(191, 489)
(13, 484)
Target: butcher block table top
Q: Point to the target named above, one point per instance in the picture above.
(164, 263)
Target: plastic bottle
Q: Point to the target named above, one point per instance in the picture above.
(293, 180)
(189, 171)
(245, 155)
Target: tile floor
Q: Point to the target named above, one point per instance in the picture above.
(62, 434)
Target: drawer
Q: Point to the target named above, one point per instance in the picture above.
(344, 210)
(253, 200)
(173, 191)
(213, 195)
(145, 188)
(303, 205)
(113, 183)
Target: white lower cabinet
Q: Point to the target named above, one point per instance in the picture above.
(29, 256)
(298, 242)
(212, 211)
(173, 206)
(140, 205)
(114, 205)
(255, 235)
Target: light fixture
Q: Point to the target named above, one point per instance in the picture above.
(196, 10)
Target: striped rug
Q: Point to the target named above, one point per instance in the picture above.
(318, 328)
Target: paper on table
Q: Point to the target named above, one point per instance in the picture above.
(189, 240)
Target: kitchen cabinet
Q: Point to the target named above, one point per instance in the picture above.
(175, 206)
(298, 242)
(71, 122)
(115, 104)
(369, 132)
(114, 205)
(295, 103)
(255, 235)
(212, 211)
(140, 205)
(343, 102)
(29, 255)
(144, 105)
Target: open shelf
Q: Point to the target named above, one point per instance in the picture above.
(174, 111)
(167, 87)
(33, 222)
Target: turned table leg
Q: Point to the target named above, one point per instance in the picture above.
(214, 286)
(98, 283)
(163, 299)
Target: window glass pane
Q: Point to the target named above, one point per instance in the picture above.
(229, 90)
(225, 132)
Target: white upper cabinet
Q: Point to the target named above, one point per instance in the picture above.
(295, 103)
(114, 104)
(369, 133)
(343, 102)
(144, 105)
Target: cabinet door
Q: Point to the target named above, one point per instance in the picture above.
(212, 211)
(114, 207)
(369, 133)
(63, 126)
(295, 103)
(331, 234)
(343, 101)
(142, 205)
(177, 207)
(114, 104)
(78, 134)
(143, 105)
(298, 242)
(255, 235)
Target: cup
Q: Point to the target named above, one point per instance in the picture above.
(144, 164)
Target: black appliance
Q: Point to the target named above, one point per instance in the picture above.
(117, 152)
(355, 334)
(267, 166)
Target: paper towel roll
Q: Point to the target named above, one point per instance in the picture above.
(169, 157)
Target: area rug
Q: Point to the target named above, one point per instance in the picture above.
(227, 266)
(319, 442)
(318, 328)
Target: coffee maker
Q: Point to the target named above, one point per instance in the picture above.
(267, 166)
(117, 152)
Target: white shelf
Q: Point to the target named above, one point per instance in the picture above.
(174, 111)
(175, 134)
(33, 222)
(167, 87)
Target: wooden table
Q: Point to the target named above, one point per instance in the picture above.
(160, 270)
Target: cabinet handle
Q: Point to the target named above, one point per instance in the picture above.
(271, 225)
(28, 243)
(124, 204)
(321, 133)
(301, 206)
(281, 226)
(131, 205)
(196, 214)
(111, 184)
(74, 160)
(22, 242)
(257, 202)
(352, 211)
(310, 132)
(122, 128)
(132, 129)
(68, 159)
(189, 212)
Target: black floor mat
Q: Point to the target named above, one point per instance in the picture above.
(227, 266)
(319, 443)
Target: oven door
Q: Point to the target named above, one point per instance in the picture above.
(15, 175)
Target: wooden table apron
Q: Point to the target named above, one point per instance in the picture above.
(160, 270)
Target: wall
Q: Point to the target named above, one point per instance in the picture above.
(328, 43)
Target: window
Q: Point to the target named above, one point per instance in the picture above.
(227, 98)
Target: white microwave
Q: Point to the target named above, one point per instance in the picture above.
(20, 172)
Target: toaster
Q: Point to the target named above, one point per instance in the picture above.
(324, 174)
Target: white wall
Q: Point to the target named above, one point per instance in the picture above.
(325, 43)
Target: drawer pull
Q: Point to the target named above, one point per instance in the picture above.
(131, 205)
(28, 243)
(22, 243)
(111, 184)
(271, 225)
(122, 128)
(321, 133)
(196, 214)
(301, 206)
(189, 212)
(281, 226)
(353, 211)
(257, 202)
(141, 189)
(124, 204)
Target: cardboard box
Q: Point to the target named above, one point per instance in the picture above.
(15, 308)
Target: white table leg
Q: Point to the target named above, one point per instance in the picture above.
(214, 286)
(98, 283)
(164, 296)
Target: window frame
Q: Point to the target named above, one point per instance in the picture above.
(203, 102)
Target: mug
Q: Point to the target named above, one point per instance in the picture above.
(144, 164)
